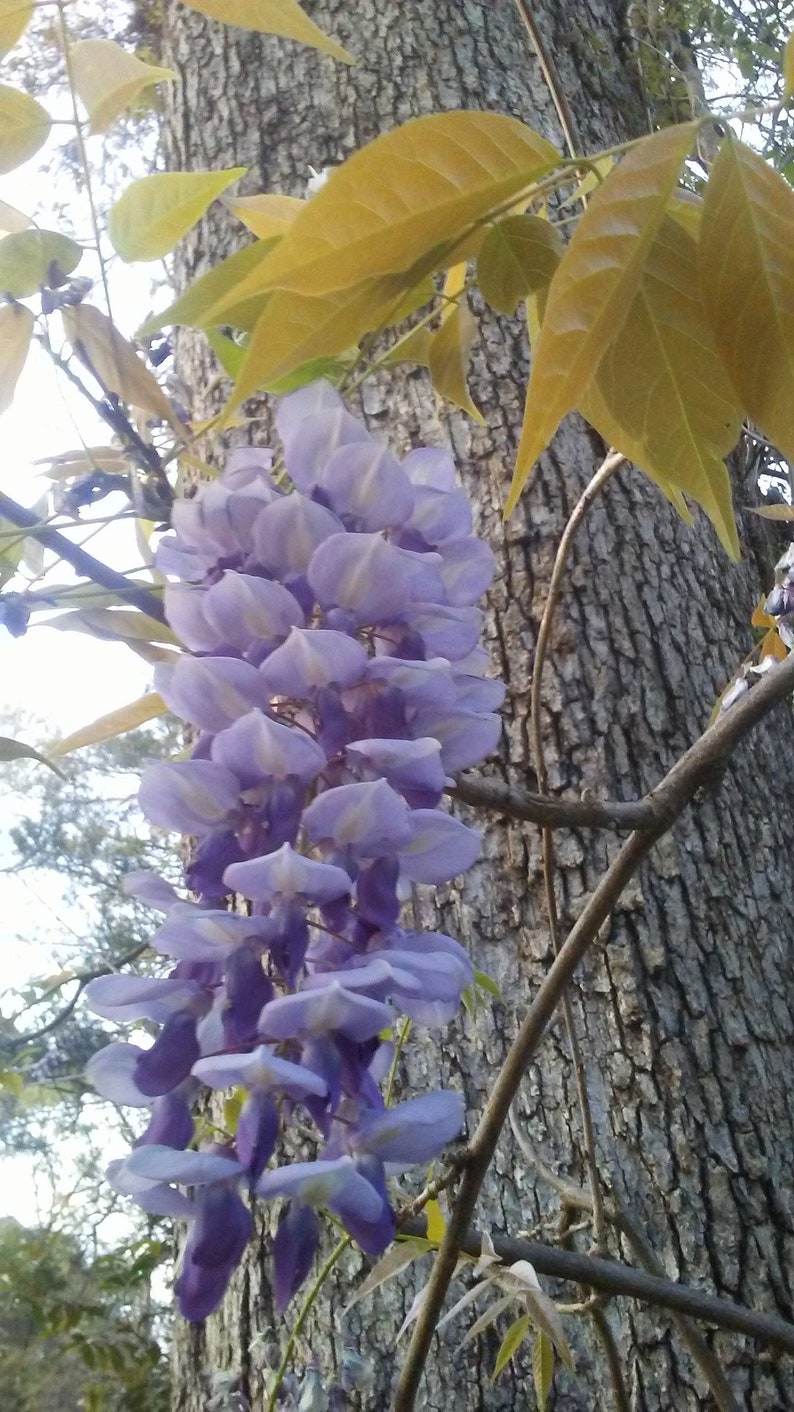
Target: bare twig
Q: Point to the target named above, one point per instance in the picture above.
(84, 564)
(672, 796)
(523, 804)
(615, 1278)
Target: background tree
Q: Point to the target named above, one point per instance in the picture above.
(681, 1019)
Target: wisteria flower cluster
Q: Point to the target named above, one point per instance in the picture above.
(336, 681)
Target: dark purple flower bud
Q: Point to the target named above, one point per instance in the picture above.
(257, 1133)
(219, 1234)
(294, 1249)
(247, 991)
(376, 893)
(170, 1058)
(171, 1123)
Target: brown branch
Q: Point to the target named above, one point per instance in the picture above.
(523, 804)
(614, 1278)
(83, 563)
(671, 797)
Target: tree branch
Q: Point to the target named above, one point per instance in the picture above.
(523, 804)
(83, 563)
(614, 1278)
(680, 785)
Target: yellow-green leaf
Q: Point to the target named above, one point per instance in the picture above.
(774, 512)
(510, 1345)
(450, 346)
(282, 17)
(296, 328)
(156, 211)
(517, 256)
(594, 284)
(13, 220)
(108, 80)
(401, 204)
(14, 20)
(206, 302)
(669, 403)
(436, 1225)
(16, 332)
(747, 271)
(32, 259)
(115, 625)
(230, 355)
(24, 127)
(546, 1317)
(414, 347)
(542, 1369)
(687, 209)
(119, 368)
(266, 215)
(115, 723)
(788, 70)
(17, 750)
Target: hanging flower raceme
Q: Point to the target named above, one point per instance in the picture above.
(336, 682)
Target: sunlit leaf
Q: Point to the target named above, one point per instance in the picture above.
(156, 211)
(414, 347)
(83, 460)
(17, 750)
(16, 332)
(24, 127)
(296, 328)
(333, 369)
(510, 1345)
(13, 220)
(115, 723)
(487, 1318)
(661, 394)
(545, 1316)
(108, 79)
(747, 270)
(487, 983)
(206, 302)
(542, 1369)
(400, 204)
(450, 346)
(687, 209)
(14, 19)
(281, 17)
(772, 645)
(594, 285)
(436, 1225)
(32, 259)
(266, 215)
(517, 256)
(114, 625)
(397, 1258)
(119, 368)
(230, 355)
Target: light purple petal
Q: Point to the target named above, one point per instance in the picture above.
(140, 997)
(429, 683)
(158, 1198)
(287, 874)
(415, 1131)
(295, 409)
(440, 516)
(404, 764)
(184, 611)
(476, 693)
(196, 934)
(466, 737)
(370, 818)
(445, 632)
(312, 658)
(248, 467)
(260, 1069)
(244, 610)
(257, 748)
(167, 1164)
(148, 887)
(365, 481)
(191, 796)
(310, 441)
(318, 1183)
(210, 692)
(441, 847)
(431, 466)
(371, 578)
(467, 570)
(326, 1010)
(287, 533)
(111, 1072)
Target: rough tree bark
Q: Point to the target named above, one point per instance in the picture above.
(684, 1012)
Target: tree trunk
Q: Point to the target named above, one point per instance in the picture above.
(684, 1010)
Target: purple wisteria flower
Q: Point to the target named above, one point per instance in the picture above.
(335, 681)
